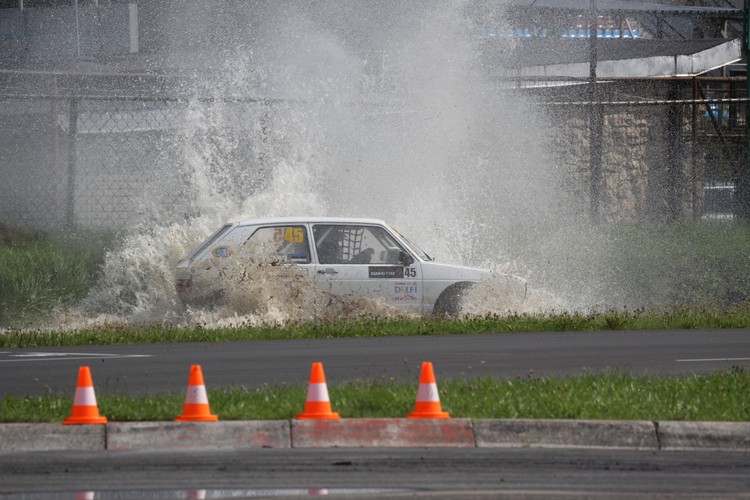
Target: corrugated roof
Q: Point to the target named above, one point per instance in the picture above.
(624, 6)
(615, 58)
(554, 51)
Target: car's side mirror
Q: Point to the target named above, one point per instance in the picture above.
(405, 259)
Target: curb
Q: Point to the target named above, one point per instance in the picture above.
(378, 433)
(704, 435)
(383, 433)
(196, 435)
(566, 433)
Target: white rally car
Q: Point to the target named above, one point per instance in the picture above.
(352, 258)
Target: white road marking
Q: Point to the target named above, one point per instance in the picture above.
(49, 356)
(710, 359)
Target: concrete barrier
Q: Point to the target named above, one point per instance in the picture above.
(704, 435)
(51, 437)
(566, 434)
(230, 434)
(382, 432)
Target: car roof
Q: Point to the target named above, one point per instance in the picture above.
(306, 220)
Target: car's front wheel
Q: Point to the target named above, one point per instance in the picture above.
(449, 302)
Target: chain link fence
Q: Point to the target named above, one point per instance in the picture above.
(662, 149)
(84, 163)
(74, 153)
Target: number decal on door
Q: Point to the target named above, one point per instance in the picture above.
(290, 234)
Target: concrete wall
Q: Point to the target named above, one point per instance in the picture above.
(636, 180)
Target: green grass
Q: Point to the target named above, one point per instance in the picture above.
(39, 275)
(687, 263)
(639, 264)
(722, 396)
(667, 319)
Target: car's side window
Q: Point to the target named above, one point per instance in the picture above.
(226, 243)
(351, 244)
(285, 243)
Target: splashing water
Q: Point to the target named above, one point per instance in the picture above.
(378, 110)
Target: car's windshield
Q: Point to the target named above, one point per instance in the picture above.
(414, 248)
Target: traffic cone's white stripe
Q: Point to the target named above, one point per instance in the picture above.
(317, 392)
(84, 397)
(428, 392)
(196, 394)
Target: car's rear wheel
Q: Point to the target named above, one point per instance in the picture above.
(450, 301)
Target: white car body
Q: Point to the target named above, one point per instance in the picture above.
(372, 260)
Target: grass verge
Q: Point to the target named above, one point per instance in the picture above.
(39, 275)
(721, 396)
(676, 318)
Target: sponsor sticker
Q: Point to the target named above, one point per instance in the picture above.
(386, 272)
(404, 298)
(221, 251)
(405, 288)
(405, 291)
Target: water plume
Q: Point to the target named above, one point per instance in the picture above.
(367, 108)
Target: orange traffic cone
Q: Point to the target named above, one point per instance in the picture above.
(317, 406)
(428, 400)
(85, 410)
(196, 407)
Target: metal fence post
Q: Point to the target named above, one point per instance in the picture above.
(596, 121)
(675, 161)
(742, 181)
(72, 159)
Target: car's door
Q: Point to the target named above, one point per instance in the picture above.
(277, 246)
(365, 260)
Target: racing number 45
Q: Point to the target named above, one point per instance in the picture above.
(290, 234)
(410, 272)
